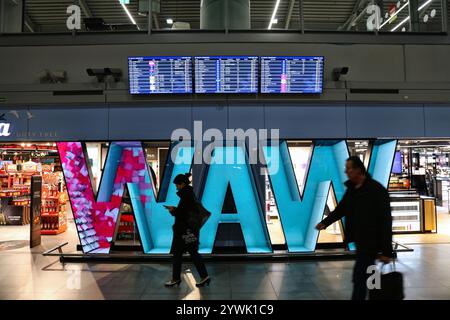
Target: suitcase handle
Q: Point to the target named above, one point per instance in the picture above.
(393, 268)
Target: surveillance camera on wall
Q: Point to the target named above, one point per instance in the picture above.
(116, 74)
(47, 76)
(338, 72)
(101, 74)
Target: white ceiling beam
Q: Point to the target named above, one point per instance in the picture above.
(29, 24)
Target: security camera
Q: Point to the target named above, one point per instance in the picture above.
(47, 76)
(338, 72)
(98, 73)
(101, 74)
(115, 73)
(59, 76)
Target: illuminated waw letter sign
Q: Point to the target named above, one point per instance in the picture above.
(96, 214)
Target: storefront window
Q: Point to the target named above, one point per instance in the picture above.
(332, 234)
(359, 148)
(96, 161)
(300, 153)
(419, 189)
(274, 224)
(19, 162)
(156, 155)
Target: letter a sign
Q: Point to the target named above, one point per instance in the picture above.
(74, 20)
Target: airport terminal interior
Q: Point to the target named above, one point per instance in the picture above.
(103, 103)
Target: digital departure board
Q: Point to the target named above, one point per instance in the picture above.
(226, 74)
(153, 75)
(292, 74)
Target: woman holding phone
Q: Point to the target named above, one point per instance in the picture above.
(184, 238)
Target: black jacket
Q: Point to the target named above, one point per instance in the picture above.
(368, 219)
(181, 214)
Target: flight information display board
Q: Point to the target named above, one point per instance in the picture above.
(226, 74)
(153, 75)
(302, 74)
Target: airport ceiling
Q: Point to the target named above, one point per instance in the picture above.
(51, 15)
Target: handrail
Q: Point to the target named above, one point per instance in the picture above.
(58, 247)
(137, 255)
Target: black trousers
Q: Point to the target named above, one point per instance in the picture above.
(360, 275)
(177, 261)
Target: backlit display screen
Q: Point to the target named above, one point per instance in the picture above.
(301, 74)
(159, 75)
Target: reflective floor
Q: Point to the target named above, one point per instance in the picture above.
(26, 274)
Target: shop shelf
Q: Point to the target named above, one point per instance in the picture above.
(61, 229)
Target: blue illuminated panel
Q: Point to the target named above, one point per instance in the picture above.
(150, 75)
(291, 74)
(226, 74)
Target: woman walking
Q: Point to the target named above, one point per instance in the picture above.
(185, 238)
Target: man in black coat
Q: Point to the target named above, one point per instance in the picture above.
(368, 222)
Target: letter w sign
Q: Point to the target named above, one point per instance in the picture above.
(96, 215)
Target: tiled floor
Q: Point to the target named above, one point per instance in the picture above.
(26, 274)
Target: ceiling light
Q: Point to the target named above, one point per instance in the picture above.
(424, 5)
(169, 21)
(274, 14)
(400, 24)
(129, 14)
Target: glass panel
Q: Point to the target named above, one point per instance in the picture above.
(96, 152)
(300, 152)
(411, 16)
(43, 16)
(359, 148)
(400, 179)
(274, 15)
(157, 155)
(430, 16)
(49, 16)
(115, 15)
(242, 15)
(177, 15)
(332, 234)
(370, 15)
(325, 15)
(272, 216)
(395, 16)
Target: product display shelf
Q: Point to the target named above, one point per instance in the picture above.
(54, 204)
